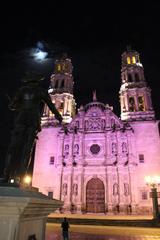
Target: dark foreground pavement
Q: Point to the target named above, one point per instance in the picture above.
(84, 232)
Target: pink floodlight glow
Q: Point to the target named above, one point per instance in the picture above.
(115, 154)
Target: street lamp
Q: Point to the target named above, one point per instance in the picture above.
(153, 182)
(27, 181)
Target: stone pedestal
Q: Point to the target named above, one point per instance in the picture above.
(23, 213)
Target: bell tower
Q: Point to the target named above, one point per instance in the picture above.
(135, 95)
(61, 91)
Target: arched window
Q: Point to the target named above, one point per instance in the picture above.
(131, 104)
(129, 77)
(137, 77)
(133, 60)
(58, 67)
(128, 60)
(62, 83)
(141, 106)
(56, 84)
(61, 105)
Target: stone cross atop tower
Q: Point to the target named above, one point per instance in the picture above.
(94, 96)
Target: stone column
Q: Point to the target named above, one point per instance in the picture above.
(79, 192)
(109, 190)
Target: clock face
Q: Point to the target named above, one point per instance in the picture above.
(95, 148)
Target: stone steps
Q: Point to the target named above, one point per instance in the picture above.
(106, 222)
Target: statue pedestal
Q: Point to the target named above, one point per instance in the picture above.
(23, 213)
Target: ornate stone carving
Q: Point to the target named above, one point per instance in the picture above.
(76, 149)
(66, 150)
(124, 148)
(126, 189)
(115, 189)
(94, 124)
(64, 189)
(75, 189)
(114, 148)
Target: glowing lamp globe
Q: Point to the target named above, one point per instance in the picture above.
(27, 179)
(152, 180)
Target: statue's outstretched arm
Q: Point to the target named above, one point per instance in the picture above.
(52, 107)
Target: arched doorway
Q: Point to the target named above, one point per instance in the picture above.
(95, 198)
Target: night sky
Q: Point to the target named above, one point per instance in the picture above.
(94, 36)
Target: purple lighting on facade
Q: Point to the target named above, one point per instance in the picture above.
(105, 156)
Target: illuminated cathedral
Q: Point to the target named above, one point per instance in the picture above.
(99, 161)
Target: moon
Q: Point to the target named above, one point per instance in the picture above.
(40, 55)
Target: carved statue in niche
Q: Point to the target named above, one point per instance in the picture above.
(76, 149)
(114, 148)
(112, 122)
(64, 189)
(86, 125)
(115, 189)
(103, 124)
(77, 124)
(66, 150)
(126, 189)
(124, 148)
(75, 189)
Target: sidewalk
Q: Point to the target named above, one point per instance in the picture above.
(94, 232)
(101, 216)
(105, 220)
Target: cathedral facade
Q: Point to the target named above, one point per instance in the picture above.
(98, 161)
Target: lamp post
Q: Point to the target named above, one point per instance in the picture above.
(153, 181)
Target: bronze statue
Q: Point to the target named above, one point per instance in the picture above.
(27, 105)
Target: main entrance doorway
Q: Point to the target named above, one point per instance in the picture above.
(95, 198)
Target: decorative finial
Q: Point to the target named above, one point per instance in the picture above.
(64, 55)
(94, 96)
(129, 47)
(81, 107)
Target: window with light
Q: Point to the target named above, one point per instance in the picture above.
(59, 67)
(128, 60)
(133, 60)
